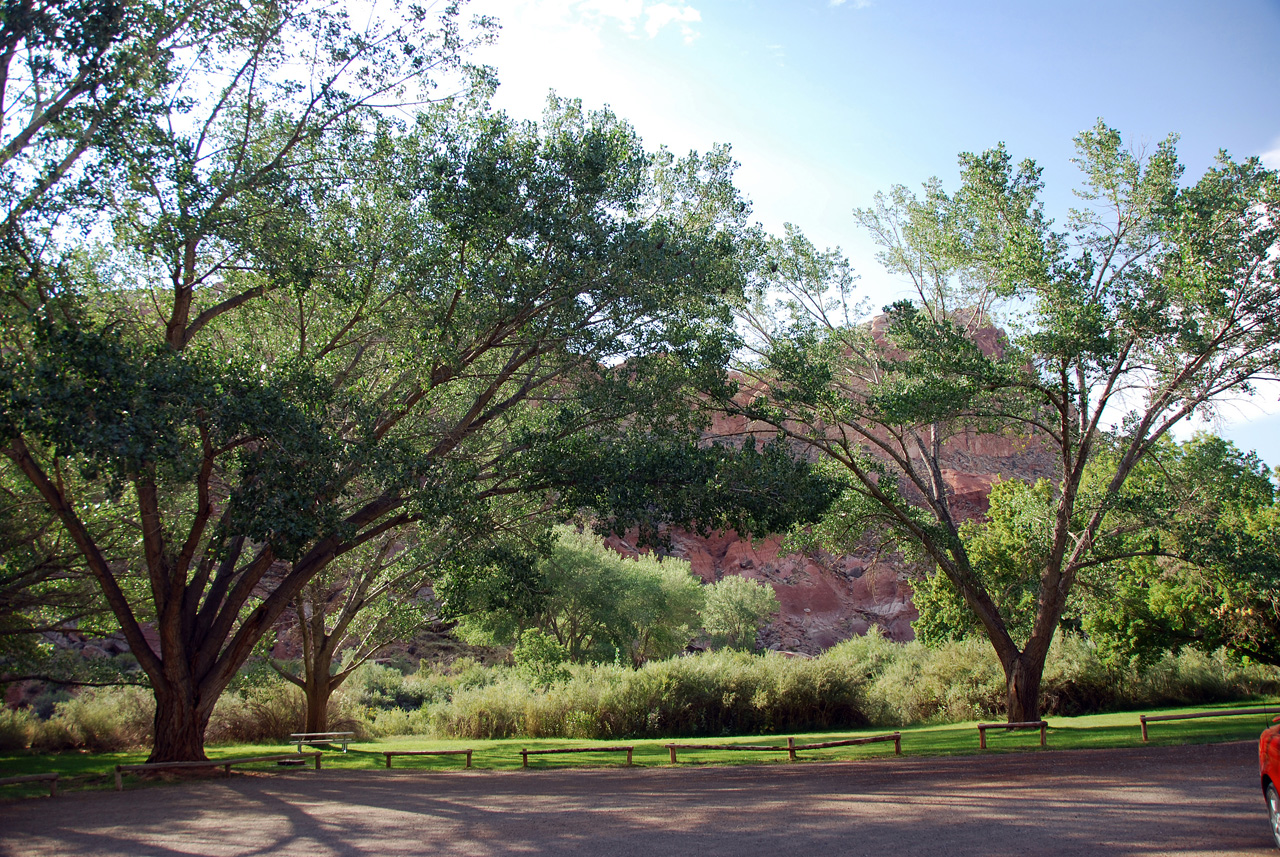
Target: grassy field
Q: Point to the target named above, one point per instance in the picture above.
(95, 770)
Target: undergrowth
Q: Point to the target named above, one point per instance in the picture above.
(864, 681)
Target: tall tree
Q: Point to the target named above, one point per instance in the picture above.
(1159, 300)
(313, 326)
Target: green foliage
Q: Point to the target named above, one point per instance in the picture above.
(17, 728)
(736, 608)
(1153, 305)
(98, 720)
(863, 680)
(713, 694)
(1206, 525)
(1008, 550)
(654, 480)
(540, 657)
(597, 604)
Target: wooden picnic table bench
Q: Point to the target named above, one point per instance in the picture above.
(390, 753)
(225, 764)
(1042, 725)
(1144, 719)
(52, 779)
(527, 753)
(312, 739)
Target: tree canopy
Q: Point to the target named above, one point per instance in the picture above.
(294, 323)
(1157, 300)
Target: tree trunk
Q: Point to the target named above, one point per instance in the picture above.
(180, 724)
(318, 689)
(1023, 682)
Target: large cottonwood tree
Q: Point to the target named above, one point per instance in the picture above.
(1157, 301)
(314, 323)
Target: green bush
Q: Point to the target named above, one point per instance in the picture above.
(100, 720)
(735, 610)
(17, 728)
(866, 680)
(540, 657)
(265, 713)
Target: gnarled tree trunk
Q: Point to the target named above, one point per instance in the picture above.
(1022, 677)
(180, 723)
(318, 688)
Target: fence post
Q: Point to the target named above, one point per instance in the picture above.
(897, 743)
(791, 749)
(982, 737)
(1044, 725)
(671, 748)
(1142, 718)
(468, 758)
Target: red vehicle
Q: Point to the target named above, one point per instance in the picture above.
(1269, 767)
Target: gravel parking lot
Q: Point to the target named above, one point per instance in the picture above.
(1151, 801)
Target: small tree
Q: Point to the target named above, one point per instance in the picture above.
(736, 609)
(594, 602)
(541, 657)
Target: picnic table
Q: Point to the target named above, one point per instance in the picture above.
(312, 739)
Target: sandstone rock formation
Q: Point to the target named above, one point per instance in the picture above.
(826, 599)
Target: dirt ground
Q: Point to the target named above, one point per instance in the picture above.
(1152, 801)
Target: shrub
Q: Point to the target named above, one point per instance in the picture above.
(17, 728)
(101, 720)
(541, 658)
(265, 713)
(864, 680)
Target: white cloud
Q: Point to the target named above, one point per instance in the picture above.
(594, 16)
(662, 14)
(1271, 159)
(857, 4)
(625, 12)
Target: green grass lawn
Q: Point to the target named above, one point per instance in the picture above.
(95, 770)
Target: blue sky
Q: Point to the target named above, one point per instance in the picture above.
(824, 103)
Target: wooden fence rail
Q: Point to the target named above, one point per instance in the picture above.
(52, 779)
(1025, 724)
(791, 747)
(895, 737)
(390, 753)
(225, 764)
(527, 753)
(1144, 719)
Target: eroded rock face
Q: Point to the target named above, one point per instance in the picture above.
(826, 599)
(823, 599)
